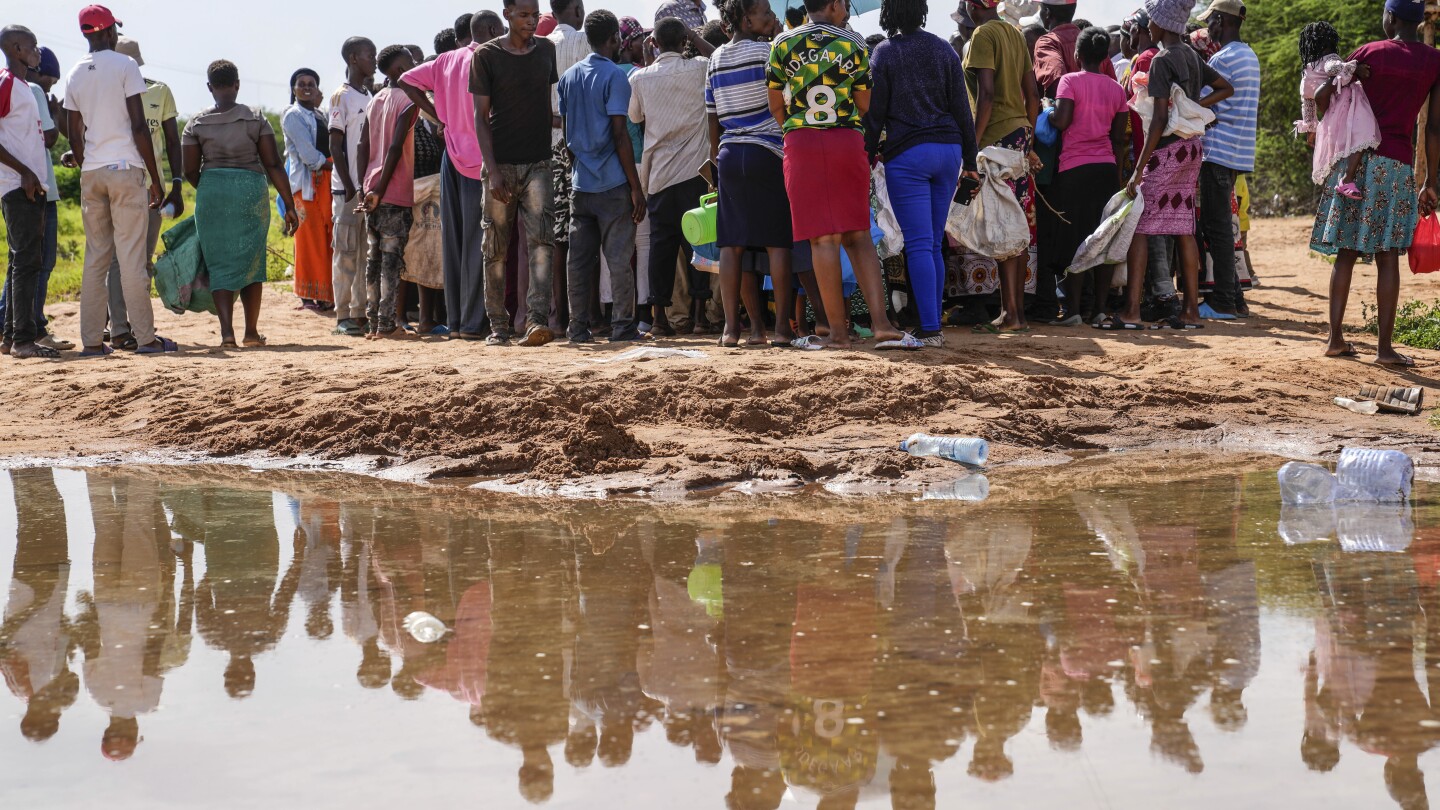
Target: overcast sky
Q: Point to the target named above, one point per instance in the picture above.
(269, 39)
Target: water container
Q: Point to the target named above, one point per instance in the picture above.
(970, 488)
(965, 450)
(1375, 476)
(1302, 484)
(698, 224)
(424, 627)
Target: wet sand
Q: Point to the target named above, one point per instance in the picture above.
(551, 415)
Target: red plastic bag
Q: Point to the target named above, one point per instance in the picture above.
(1425, 250)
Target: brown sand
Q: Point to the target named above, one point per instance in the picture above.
(423, 408)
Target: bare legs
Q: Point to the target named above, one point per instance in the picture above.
(825, 251)
(1387, 299)
(737, 286)
(1137, 262)
(1012, 294)
(225, 307)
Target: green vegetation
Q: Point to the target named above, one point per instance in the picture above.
(1417, 324)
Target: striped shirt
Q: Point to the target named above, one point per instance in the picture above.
(1231, 142)
(666, 98)
(570, 47)
(735, 91)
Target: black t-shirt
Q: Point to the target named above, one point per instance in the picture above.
(519, 90)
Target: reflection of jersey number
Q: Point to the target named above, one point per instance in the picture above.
(820, 102)
(829, 718)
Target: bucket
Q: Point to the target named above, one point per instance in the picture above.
(698, 224)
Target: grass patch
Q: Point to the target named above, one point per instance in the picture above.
(70, 256)
(1417, 324)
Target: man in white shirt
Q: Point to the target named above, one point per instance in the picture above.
(23, 162)
(570, 47)
(103, 95)
(347, 122)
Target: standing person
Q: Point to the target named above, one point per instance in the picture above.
(608, 202)
(1092, 112)
(462, 187)
(464, 36)
(1120, 53)
(1169, 166)
(23, 162)
(161, 117)
(998, 75)
(827, 176)
(1229, 152)
(635, 54)
(347, 120)
(668, 97)
(570, 47)
(307, 160)
(1055, 51)
(921, 107)
(1159, 281)
(104, 95)
(748, 149)
(1404, 76)
(387, 162)
(229, 150)
(511, 79)
(689, 12)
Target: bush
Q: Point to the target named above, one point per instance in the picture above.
(1417, 324)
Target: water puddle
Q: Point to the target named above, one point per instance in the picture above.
(220, 637)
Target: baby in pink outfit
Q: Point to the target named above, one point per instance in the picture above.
(1348, 129)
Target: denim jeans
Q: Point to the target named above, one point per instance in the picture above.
(666, 207)
(50, 251)
(601, 221)
(25, 227)
(462, 210)
(922, 181)
(532, 201)
(1217, 189)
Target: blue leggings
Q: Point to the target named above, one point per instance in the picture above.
(922, 182)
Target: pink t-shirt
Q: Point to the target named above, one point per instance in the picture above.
(387, 107)
(1097, 99)
(448, 77)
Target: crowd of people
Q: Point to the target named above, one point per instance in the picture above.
(534, 175)
(822, 658)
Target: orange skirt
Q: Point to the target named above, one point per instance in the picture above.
(313, 251)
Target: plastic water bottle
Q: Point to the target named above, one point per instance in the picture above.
(168, 212)
(974, 452)
(1302, 484)
(970, 488)
(1312, 523)
(1374, 526)
(424, 627)
(1382, 476)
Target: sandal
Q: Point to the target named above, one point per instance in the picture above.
(1348, 351)
(1114, 324)
(257, 342)
(101, 352)
(907, 343)
(985, 329)
(34, 351)
(809, 343)
(1181, 326)
(1403, 362)
(166, 345)
(126, 342)
(1350, 191)
(729, 344)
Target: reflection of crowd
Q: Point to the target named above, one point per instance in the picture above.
(839, 662)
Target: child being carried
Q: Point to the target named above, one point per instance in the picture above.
(1348, 129)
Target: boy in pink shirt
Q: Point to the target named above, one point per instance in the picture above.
(389, 184)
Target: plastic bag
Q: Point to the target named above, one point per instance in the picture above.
(1187, 118)
(993, 224)
(1425, 250)
(1110, 243)
(181, 278)
(893, 241)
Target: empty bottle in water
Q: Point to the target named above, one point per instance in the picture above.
(970, 488)
(1302, 484)
(1382, 476)
(965, 450)
(424, 627)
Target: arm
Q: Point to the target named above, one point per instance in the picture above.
(486, 139)
(419, 98)
(299, 137)
(140, 133)
(862, 100)
(191, 163)
(1152, 140)
(75, 123)
(1119, 140)
(700, 45)
(960, 109)
(392, 157)
(362, 162)
(1032, 98)
(984, 98)
(342, 162)
(29, 183)
(270, 159)
(1428, 196)
(1222, 90)
(176, 198)
(61, 116)
(877, 114)
(1064, 114)
(777, 106)
(620, 135)
(51, 136)
(714, 136)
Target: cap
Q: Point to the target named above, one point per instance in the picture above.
(49, 64)
(631, 30)
(1234, 8)
(130, 48)
(96, 18)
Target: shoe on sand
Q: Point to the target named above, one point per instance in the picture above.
(537, 336)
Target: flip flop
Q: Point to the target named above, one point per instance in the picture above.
(1179, 325)
(809, 343)
(1403, 362)
(906, 343)
(104, 350)
(166, 345)
(729, 344)
(1348, 351)
(34, 351)
(1113, 324)
(254, 344)
(440, 330)
(985, 329)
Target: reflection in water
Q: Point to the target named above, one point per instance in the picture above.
(842, 656)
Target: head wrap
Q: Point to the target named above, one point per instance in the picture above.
(1200, 40)
(49, 63)
(631, 30)
(1412, 11)
(295, 77)
(1171, 15)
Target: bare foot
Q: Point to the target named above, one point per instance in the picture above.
(1394, 359)
(1341, 349)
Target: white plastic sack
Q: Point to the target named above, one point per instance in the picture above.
(1187, 118)
(1110, 243)
(993, 224)
(893, 243)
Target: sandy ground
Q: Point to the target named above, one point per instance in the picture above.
(416, 409)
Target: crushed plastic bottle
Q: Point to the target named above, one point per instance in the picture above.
(965, 450)
(1302, 484)
(1375, 476)
(424, 627)
(1374, 527)
(974, 487)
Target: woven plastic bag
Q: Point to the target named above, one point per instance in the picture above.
(993, 224)
(1425, 250)
(181, 279)
(1110, 244)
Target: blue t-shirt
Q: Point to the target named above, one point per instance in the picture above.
(1231, 142)
(591, 91)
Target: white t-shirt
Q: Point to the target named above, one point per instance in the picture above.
(22, 137)
(97, 88)
(46, 124)
(347, 113)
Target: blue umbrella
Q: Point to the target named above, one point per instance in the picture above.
(856, 6)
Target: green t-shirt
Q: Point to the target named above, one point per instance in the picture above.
(999, 46)
(819, 68)
(159, 105)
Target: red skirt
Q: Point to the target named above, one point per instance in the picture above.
(827, 178)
